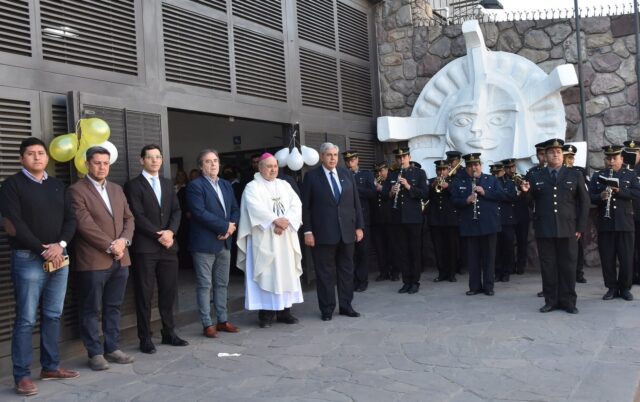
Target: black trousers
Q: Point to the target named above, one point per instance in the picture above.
(481, 256)
(522, 241)
(330, 260)
(408, 245)
(636, 254)
(505, 252)
(558, 258)
(361, 259)
(580, 262)
(149, 269)
(382, 242)
(445, 245)
(616, 246)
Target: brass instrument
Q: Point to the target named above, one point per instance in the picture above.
(379, 180)
(517, 178)
(441, 180)
(475, 199)
(607, 209)
(397, 187)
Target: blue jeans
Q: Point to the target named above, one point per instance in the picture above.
(102, 291)
(31, 286)
(212, 268)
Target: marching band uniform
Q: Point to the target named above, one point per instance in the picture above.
(632, 146)
(570, 150)
(406, 220)
(615, 226)
(442, 218)
(381, 231)
(454, 158)
(505, 252)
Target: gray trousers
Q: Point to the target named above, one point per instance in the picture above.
(212, 273)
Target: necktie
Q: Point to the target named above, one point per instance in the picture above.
(156, 189)
(553, 176)
(334, 184)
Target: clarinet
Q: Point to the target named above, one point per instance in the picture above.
(395, 198)
(475, 200)
(607, 209)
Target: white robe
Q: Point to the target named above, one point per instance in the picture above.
(272, 263)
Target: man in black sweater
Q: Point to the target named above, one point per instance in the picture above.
(40, 222)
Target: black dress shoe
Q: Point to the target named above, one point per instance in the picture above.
(395, 277)
(626, 294)
(414, 288)
(285, 317)
(572, 310)
(581, 279)
(489, 292)
(540, 294)
(547, 308)
(498, 278)
(438, 279)
(505, 278)
(364, 286)
(611, 293)
(146, 346)
(453, 279)
(473, 292)
(349, 313)
(382, 277)
(265, 318)
(173, 340)
(405, 288)
(326, 317)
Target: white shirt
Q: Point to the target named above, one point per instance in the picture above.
(327, 173)
(148, 176)
(102, 190)
(216, 187)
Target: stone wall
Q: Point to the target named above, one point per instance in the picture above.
(409, 54)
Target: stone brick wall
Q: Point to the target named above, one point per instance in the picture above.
(410, 54)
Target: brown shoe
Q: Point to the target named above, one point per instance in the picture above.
(59, 374)
(210, 332)
(227, 327)
(26, 387)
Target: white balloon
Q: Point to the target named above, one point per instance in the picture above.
(281, 157)
(113, 151)
(294, 160)
(310, 155)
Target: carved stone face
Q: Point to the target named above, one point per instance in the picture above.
(486, 125)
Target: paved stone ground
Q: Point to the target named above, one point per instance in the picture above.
(437, 345)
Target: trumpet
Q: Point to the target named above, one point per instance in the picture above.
(475, 199)
(397, 187)
(517, 178)
(442, 179)
(607, 209)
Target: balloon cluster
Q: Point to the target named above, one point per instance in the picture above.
(93, 132)
(292, 158)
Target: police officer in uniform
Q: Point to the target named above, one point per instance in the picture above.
(406, 187)
(505, 252)
(569, 152)
(521, 233)
(380, 226)
(561, 205)
(443, 223)
(454, 159)
(634, 147)
(476, 196)
(615, 225)
(366, 192)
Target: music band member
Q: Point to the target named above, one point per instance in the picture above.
(381, 227)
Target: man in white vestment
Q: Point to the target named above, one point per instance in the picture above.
(268, 247)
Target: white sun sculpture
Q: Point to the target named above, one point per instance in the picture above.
(496, 103)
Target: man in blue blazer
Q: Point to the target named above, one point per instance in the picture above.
(332, 223)
(214, 219)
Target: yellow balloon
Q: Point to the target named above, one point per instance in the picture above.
(94, 131)
(79, 162)
(64, 147)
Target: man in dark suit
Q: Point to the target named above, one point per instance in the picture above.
(156, 209)
(366, 191)
(105, 230)
(214, 219)
(560, 218)
(476, 195)
(615, 224)
(522, 236)
(332, 219)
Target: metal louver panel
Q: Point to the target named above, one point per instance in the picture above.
(264, 12)
(196, 49)
(59, 116)
(319, 80)
(15, 126)
(97, 34)
(366, 151)
(260, 66)
(316, 22)
(15, 36)
(142, 129)
(217, 4)
(356, 89)
(118, 172)
(353, 31)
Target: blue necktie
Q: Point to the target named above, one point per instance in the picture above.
(156, 189)
(334, 184)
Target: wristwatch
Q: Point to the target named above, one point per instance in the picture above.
(63, 244)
